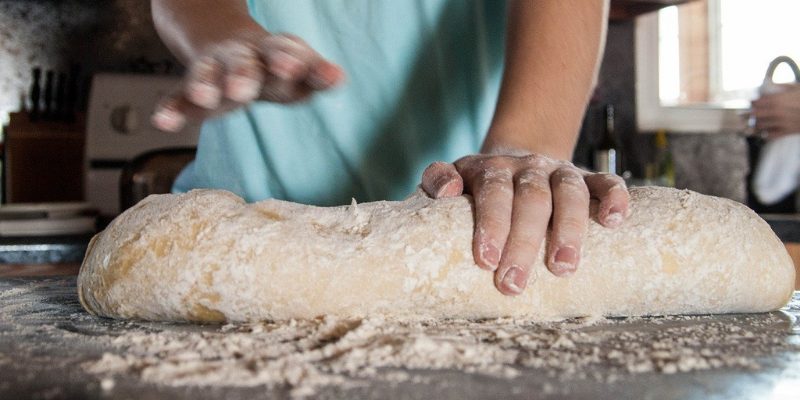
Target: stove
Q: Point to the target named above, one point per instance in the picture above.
(118, 129)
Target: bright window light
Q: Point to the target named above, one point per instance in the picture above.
(669, 56)
(743, 37)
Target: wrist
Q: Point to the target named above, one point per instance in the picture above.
(190, 27)
(499, 142)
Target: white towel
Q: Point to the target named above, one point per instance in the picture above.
(778, 171)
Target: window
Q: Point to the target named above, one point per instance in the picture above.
(700, 64)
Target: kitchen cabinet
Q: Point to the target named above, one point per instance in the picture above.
(43, 160)
(622, 10)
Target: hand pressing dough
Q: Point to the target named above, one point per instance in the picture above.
(208, 256)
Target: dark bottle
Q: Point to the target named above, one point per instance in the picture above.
(61, 94)
(48, 95)
(607, 155)
(71, 99)
(36, 90)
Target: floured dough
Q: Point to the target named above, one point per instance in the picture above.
(208, 256)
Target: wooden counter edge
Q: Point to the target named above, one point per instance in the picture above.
(23, 270)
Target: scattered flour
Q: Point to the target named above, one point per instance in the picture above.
(307, 355)
(45, 326)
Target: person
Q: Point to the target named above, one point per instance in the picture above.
(778, 114)
(773, 153)
(362, 97)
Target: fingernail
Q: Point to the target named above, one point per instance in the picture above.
(490, 255)
(204, 95)
(514, 281)
(447, 186)
(243, 89)
(168, 120)
(564, 261)
(614, 217)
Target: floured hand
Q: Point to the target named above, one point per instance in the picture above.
(249, 65)
(515, 198)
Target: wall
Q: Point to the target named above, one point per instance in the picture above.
(109, 35)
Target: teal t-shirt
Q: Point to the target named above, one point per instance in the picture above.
(422, 78)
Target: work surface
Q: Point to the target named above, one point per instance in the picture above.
(51, 348)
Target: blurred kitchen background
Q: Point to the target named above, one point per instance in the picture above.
(671, 102)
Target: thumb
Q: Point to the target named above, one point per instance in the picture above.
(441, 179)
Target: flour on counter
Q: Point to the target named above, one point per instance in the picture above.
(307, 355)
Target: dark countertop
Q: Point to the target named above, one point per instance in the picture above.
(45, 337)
(43, 249)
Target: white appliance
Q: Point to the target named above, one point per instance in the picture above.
(43, 219)
(118, 129)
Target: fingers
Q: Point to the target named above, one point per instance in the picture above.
(516, 197)
(175, 110)
(167, 116)
(203, 85)
(492, 189)
(282, 91)
(290, 59)
(244, 76)
(778, 114)
(279, 68)
(613, 195)
(530, 216)
(773, 124)
(325, 75)
(570, 220)
(442, 180)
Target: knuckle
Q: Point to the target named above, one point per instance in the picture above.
(568, 179)
(616, 187)
(470, 167)
(203, 69)
(463, 164)
(532, 182)
(536, 161)
(495, 163)
(496, 176)
(233, 50)
(619, 189)
(536, 192)
(529, 175)
(616, 180)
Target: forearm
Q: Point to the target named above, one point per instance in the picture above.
(552, 58)
(188, 27)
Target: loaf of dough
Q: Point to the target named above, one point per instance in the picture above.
(208, 256)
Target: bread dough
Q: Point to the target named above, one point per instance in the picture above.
(208, 256)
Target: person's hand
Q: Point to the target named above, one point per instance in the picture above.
(778, 114)
(515, 198)
(253, 65)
